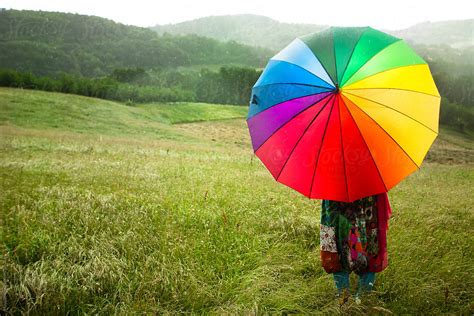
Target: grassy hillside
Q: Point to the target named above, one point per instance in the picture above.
(52, 42)
(45, 110)
(99, 218)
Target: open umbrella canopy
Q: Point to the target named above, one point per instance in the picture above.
(344, 113)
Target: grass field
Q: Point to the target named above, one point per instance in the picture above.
(107, 209)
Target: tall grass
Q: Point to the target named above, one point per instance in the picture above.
(187, 221)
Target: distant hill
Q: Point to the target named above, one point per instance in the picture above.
(263, 31)
(49, 42)
(250, 29)
(457, 34)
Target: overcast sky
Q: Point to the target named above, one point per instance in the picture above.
(395, 14)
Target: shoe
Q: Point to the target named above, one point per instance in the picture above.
(343, 296)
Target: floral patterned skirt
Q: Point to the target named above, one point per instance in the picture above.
(353, 235)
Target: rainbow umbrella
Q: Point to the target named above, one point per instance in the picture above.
(344, 113)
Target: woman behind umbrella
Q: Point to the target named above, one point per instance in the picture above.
(353, 238)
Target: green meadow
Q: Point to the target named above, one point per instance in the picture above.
(163, 208)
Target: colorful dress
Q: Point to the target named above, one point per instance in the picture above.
(354, 235)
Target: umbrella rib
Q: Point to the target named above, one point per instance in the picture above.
(342, 150)
(312, 73)
(432, 95)
(289, 121)
(370, 60)
(370, 152)
(350, 57)
(388, 107)
(418, 167)
(380, 72)
(305, 70)
(319, 152)
(335, 56)
(324, 67)
(304, 132)
(293, 83)
(302, 96)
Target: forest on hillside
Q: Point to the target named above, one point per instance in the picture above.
(262, 31)
(46, 43)
(96, 57)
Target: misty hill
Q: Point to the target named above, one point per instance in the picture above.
(50, 42)
(266, 32)
(250, 29)
(457, 34)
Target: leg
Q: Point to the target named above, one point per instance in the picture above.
(341, 279)
(366, 282)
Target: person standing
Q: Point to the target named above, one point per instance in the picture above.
(353, 238)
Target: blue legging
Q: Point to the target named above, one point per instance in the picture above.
(365, 284)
